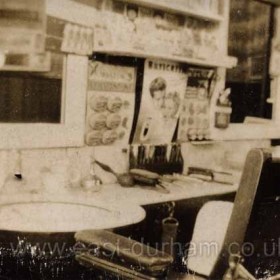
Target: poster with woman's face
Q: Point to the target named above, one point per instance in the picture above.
(163, 90)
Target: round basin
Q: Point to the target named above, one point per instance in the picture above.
(36, 234)
(64, 216)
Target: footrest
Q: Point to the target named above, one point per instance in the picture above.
(89, 260)
(121, 255)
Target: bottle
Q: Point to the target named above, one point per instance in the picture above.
(92, 182)
(132, 158)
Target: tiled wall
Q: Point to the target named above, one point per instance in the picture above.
(223, 155)
(226, 155)
(36, 161)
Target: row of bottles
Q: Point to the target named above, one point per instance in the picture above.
(163, 159)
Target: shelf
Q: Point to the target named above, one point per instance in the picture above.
(247, 131)
(202, 142)
(84, 15)
(177, 8)
(222, 61)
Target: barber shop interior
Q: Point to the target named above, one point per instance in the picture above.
(139, 139)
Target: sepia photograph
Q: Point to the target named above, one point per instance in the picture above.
(139, 139)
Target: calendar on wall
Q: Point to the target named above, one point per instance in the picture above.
(110, 104)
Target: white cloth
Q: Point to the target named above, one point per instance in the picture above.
(208, 236)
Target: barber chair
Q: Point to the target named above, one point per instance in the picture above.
(254, 223)
(242, 209)
(258, 193)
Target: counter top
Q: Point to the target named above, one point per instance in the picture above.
(112, 195)
(123, 204)
(149, 195)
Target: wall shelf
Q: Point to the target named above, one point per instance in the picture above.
(246, 132)
(221, 61)
(172, 7)
(85, 15)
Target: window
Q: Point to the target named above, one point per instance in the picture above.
(250, 34)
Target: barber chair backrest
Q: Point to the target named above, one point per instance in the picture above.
(247, 195)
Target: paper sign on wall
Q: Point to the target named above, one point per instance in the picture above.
(110, 105)
(163, 89)
(194, 119)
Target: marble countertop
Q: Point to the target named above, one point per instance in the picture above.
(151, 195)
(124, 203)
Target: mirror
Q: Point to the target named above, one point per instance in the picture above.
(30, 97)
(44, 110)
(250, 34)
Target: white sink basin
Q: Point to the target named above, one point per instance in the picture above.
(48, 216)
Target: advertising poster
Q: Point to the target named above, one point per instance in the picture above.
(194, 119)
(110, 105)
(163, 90)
